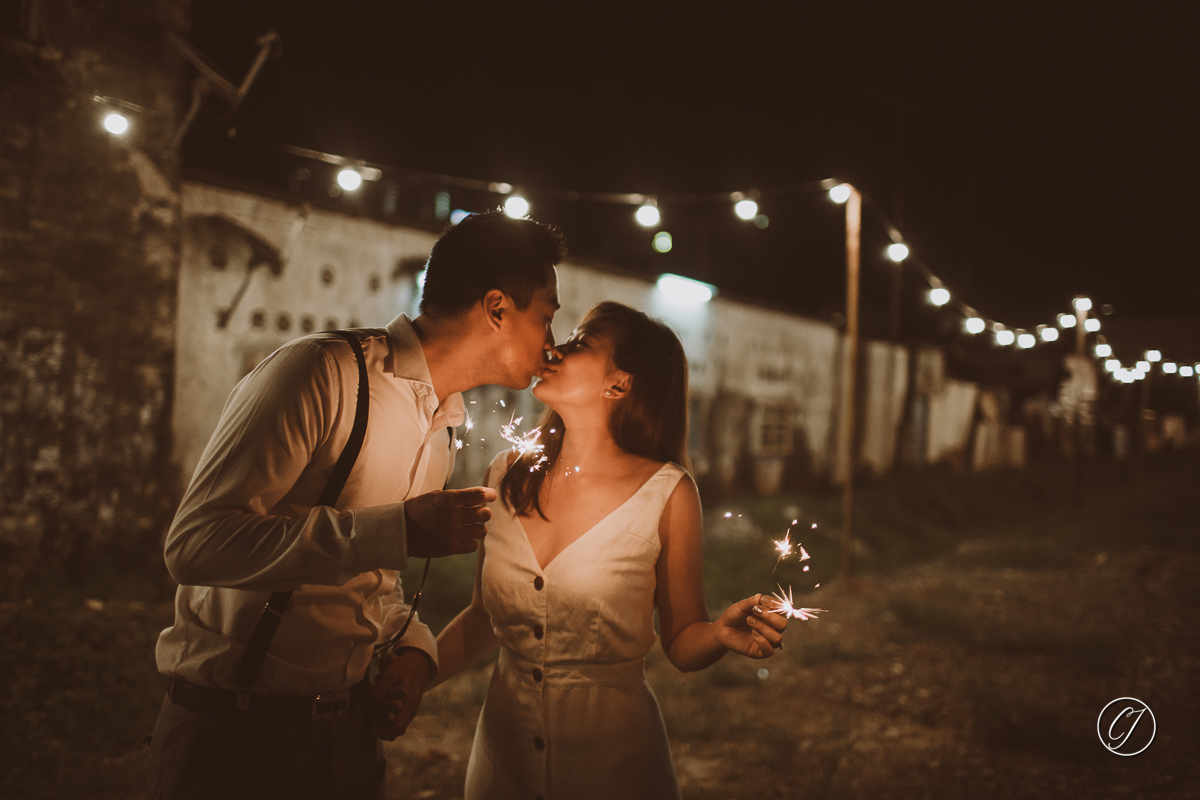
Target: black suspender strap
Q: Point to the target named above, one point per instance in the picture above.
(268, 623)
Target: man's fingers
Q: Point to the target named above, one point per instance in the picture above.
(475, 496)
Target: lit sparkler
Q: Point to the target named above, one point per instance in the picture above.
(524, 443)
(787, 606)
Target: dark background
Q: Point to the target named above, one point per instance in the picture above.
(1028, 152)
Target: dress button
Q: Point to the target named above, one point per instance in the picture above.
(538, 583)
(539, 743)
(537, 674)
(538, 632)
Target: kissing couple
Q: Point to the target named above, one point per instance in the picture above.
(326, 474)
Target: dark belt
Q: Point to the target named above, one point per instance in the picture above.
(283, 708)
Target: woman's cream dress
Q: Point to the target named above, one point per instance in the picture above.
(568, 712)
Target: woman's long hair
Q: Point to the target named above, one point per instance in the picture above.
(650, 421)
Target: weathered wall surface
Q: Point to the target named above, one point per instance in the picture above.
(89, 243)
(765, 385)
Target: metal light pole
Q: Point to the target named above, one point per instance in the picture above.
(850, 375)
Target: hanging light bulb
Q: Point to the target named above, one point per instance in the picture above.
(349, 179)
(1170, 367)
(1112, 365)
(1082, 304)
(939, 296)
(647, 214)
(1103, 350)
(840, 193)
(1091, 324)
(1186, 372)
(746, 209)
(115, 123)
(1144, 366)
(1049, 334)
(1153, 355)
(662, 242)
(897, 251)
(516, 207)
(975, 325)
(1005, 337)
(1066, 320)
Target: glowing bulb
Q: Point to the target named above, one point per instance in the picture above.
(115, 123)
(1144, 366)
(746, 209)
(1170, 367)
(684, 291)
(647, 215)
(1186, 372)
(1112, 365)
(897, 252)
(1005, 338)
(1049, 334)
(1083, 304)
(349, 179)
(1026, 341)
(1153, 355)
(662, 242)
(1103, 350)
(840, 193)
(516, 206)
(939, 296)
(1066, 320)
(1091, 324)
(975, 325)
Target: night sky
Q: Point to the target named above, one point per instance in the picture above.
(1029, 152)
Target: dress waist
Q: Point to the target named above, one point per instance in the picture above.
(576, 672)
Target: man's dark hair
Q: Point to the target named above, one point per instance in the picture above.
(490, 251)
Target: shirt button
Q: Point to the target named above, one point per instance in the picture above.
(539, 743)
(538, 583)
(538, 632)
(537, 674)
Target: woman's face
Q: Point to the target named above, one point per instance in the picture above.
(581, 370)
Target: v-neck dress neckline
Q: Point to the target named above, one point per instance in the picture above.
(594, 526)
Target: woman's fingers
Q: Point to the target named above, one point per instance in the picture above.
(764, 630)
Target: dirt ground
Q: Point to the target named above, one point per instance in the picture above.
(943, 681)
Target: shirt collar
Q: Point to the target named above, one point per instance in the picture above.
(408, 363)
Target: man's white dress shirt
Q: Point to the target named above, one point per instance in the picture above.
(248, 524)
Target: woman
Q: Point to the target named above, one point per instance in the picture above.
(581, 549)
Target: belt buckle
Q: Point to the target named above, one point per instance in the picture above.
(330, 706)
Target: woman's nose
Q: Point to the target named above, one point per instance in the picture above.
(555, 354)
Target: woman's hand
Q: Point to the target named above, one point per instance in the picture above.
(748, 628)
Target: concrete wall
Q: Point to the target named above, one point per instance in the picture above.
(765, 384)
(89, 244)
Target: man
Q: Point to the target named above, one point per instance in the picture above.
(249, 526)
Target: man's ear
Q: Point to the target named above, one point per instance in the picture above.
(496, 307)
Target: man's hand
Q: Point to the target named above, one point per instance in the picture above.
(447, 523)
(397, 691)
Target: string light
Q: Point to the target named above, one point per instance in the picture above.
(115, 123)
(1049, 334)
(746, 209)
(1112, 365)
(897, 251)
(349, 179)
(1005, 337)
(1186, 372)
(685, 291)
(1103, 350)
(1153, 355)
(662, 242)
(1091, 324)
(975, 325)
(1066, 320)
(647, 215)
(840, 193)
(517, 207)
(1026, 341)
(1143, 366)
(939, 296)
(1083, 304)
(1169, 367)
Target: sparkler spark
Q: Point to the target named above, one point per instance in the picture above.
(784, 546)
(524, 443)
(787, 606)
